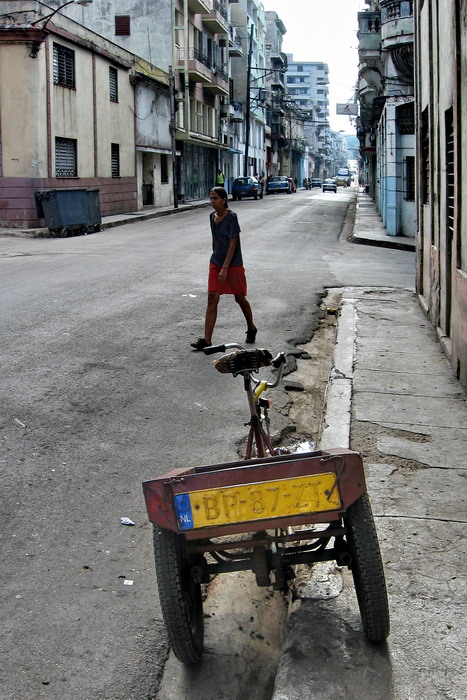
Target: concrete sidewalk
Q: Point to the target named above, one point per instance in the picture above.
(369, 228)
(391, 396)
(115, 220)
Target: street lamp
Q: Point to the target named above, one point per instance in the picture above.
(48, 17)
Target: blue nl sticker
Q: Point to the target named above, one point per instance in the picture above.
(183, 510)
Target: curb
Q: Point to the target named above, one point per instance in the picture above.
(397, 244)
(335, 427)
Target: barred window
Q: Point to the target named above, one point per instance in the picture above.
(65, 158)
(164, 169)
(115, 159)
(122, 25)
(450, 173)
(410, 178)
(63, 66)
(113, 84)
(406, 118)
(425, 157)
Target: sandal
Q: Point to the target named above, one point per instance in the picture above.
(200, 344)
(251, 336)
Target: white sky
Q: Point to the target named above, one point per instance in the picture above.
(324, 30)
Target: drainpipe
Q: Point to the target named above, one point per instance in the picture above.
(247, 114)
(186, 40)
(173, 129)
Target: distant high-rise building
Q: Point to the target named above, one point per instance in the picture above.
(307, 85)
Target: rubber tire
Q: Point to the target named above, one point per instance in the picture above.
(367, 569)
(180, 596)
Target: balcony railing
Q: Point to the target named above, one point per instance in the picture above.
(217, 21)
(221, 10)
(195, 54)
(395, 9)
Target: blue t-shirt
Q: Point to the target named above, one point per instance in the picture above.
(222, 233)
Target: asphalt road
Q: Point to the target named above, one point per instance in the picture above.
(100, 391)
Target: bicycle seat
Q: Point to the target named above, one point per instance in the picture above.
(243, 361)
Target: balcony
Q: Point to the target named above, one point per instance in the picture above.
(235, 112)
(396, 23)
(216, 20)
(369, 31)
(199, 7)
(234, 43)
(219, 83)
(199, 69)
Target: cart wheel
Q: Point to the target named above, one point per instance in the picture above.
(367, 569)
(180, 596)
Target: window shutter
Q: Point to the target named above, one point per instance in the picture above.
(63, 66)
(113, 84)
(115, 159)
(122, 25)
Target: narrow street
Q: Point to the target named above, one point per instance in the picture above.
(100, 391)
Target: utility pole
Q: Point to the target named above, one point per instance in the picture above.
(247, 114)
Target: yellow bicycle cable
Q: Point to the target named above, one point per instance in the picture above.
(262, 386)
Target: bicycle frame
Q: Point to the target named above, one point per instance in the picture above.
(258, 437)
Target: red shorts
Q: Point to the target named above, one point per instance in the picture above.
(234, 284)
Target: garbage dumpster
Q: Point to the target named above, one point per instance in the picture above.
(72, 210)
(94, 219)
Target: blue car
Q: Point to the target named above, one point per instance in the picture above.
(278, 183)
(246, 187)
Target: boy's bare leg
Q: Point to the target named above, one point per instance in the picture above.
(244, 304)
(211, 316)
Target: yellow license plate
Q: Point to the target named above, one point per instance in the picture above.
(258, 501)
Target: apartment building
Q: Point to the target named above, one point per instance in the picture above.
(307, 85)
(67, 107)
(276, 62)
(192, 39)
(248, 82)
(386, 126)
(441, 184)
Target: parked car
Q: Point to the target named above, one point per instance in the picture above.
(278, 183)
(329, 185)
(246, 187)
(315, 182)
(293, 186)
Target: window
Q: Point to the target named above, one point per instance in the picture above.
(63, 66)
(300, 69)
(406, 118)
(113, 84)
(65, 158)
(450, 173)
(410, 178)
(115, 159)
(122, 25)
(164, 169)
(425, 159)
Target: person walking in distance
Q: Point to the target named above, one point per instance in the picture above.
(226, 271)
(220, 178)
